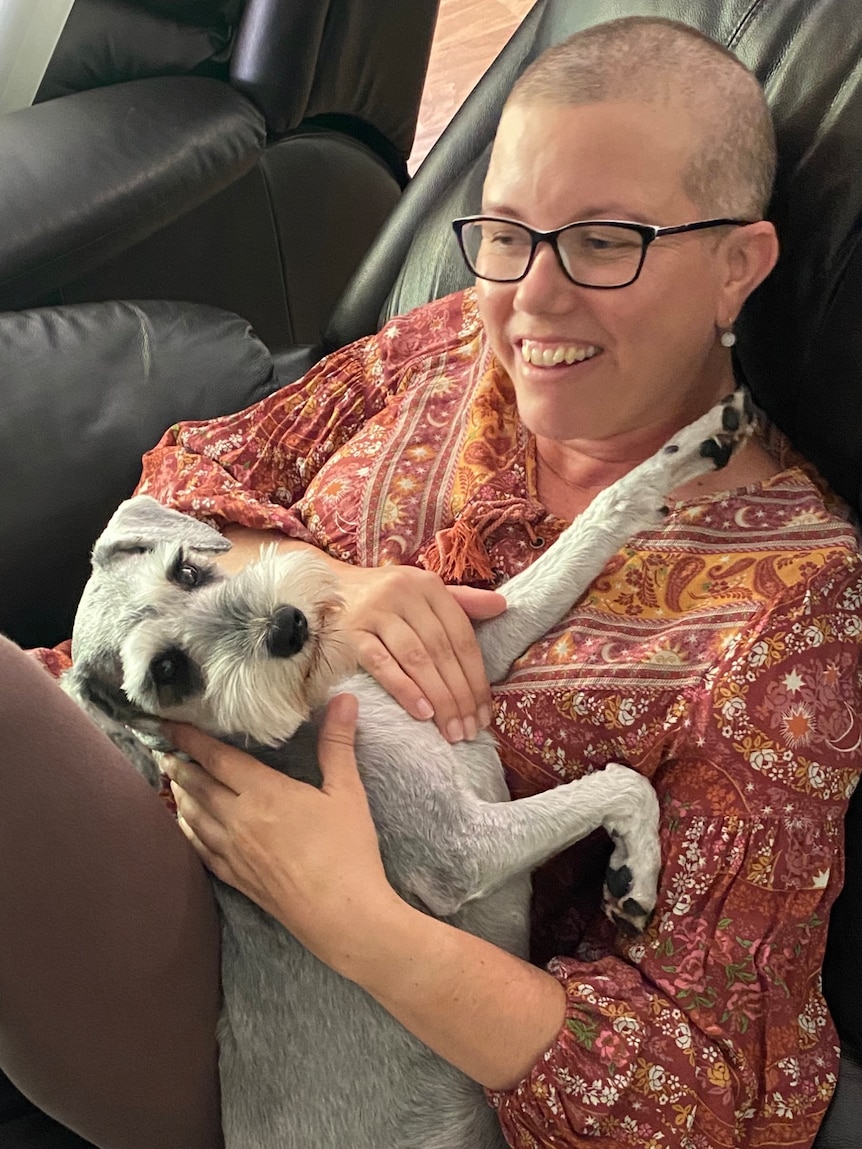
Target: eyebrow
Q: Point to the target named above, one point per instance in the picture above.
(590, 213)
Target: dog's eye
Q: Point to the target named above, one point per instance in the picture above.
(187, 575)
(166, 668)
(175, 677)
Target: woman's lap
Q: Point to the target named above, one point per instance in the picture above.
(109, 988)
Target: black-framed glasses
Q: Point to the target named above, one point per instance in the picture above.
(602, 253)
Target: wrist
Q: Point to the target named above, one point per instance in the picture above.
(380, 941)
(489, 1013)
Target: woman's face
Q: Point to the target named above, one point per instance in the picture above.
(654, 358)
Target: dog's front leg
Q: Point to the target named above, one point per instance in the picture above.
(539, 597)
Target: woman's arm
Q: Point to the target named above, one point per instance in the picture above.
(480, 1008)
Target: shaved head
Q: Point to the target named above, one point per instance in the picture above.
(664, 63)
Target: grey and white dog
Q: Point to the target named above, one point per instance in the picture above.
(308, 1059)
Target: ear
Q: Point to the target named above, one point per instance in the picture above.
(749, 254)
(140, 524)
(112, 712)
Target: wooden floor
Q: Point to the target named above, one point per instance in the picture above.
(469, 35)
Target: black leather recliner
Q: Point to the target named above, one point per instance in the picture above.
(81, 398)
(210, 150)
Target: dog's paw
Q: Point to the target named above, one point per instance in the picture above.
(709, 442)
(631, 879)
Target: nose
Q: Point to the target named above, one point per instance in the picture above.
(287, 632)
(545, 286)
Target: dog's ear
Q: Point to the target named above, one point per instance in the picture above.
(115, 716)
(139, 524)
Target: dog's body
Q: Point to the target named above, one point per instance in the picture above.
(306, 1057)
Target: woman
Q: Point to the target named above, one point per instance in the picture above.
(582, 350)
(719, 654)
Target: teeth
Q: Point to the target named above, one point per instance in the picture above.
(551, 356)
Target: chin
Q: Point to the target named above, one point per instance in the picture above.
(552, 424)
(555, 411)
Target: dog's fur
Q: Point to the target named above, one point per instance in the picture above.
(306, 1057)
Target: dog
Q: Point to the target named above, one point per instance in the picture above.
(307, 1058)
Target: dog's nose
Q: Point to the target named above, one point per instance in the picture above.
(287, 632)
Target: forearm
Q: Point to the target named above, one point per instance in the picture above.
(246, 543)
(482, 1009)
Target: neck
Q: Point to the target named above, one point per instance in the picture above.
(571, 473)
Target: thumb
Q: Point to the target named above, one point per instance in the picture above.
(476, 603)
(335, 743)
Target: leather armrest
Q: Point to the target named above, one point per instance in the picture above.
(366, 60)
(111, 41)
(86, 176)
(843, 1122)
(85, 390)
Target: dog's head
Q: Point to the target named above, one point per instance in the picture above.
(162, 630)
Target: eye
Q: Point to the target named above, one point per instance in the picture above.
(511, 237)
(166, 668)
(176, 678)
(606, 241)
(187, 575)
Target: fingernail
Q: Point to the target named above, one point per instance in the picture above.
(455, 731)
(424, 709)
(470, 728)
(484, 717)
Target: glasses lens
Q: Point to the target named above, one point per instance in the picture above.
(496, 250)
(601, 255)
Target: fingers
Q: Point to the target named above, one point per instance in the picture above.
(335, 744)
(428, 663)
(205, 832)
(205, 789)
(413, 636)
(228, 766)
(478, 604)
(302, 853)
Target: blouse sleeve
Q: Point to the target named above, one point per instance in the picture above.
(710, 1031)
(249, 468)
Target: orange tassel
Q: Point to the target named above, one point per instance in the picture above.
(459, 555)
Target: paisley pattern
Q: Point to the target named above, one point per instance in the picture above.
(718, 655)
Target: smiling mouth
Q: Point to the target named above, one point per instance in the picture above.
(543, 355)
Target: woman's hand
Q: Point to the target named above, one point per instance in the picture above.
(413, 634)
(308, 857)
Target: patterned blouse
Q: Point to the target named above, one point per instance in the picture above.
(717, 654)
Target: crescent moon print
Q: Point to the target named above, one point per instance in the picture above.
(851, 739)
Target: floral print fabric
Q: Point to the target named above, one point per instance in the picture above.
(717, 654)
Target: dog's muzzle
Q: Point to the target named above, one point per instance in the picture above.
(287, 632)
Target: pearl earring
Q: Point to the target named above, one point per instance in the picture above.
(728, 339)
